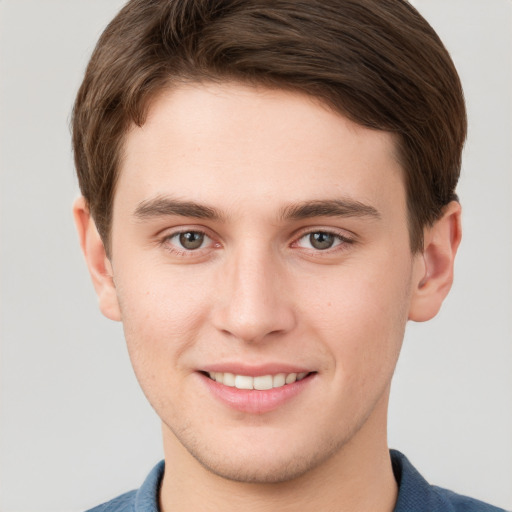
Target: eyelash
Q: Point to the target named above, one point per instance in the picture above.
(341, 245)
(173, 249)
(341, 241)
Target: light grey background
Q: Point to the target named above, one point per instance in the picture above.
(75, 428)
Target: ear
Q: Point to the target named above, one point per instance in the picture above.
(99, 265)
(434, 267)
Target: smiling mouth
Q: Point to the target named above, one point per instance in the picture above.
(262, 383)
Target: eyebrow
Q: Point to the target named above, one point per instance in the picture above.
(329, 208)
(166, 206)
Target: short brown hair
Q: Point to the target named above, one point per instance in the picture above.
(378, 62)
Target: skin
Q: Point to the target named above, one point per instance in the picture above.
(257, 292)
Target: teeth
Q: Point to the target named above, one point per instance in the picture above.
(244, 382)
(279, 380)
(261, 383)
(291, 377)
(228, 380)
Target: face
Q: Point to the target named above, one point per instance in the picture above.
(263, 274)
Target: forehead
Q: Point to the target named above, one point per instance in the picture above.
(232, 144)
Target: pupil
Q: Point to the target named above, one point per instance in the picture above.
(321, 240)
(191, 239)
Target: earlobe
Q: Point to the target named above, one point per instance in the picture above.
(97, 261)
(434, 267)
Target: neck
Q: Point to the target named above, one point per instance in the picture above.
(357, 478)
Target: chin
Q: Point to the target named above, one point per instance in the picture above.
(258, 462)
(251, 471)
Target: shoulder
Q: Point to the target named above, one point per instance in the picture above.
(460, 503)
(144, 499)
(415, 493)
(123, 503)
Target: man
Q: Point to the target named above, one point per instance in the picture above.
(268, 197)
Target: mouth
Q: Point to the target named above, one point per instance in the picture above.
(257, 394)
(260, 383)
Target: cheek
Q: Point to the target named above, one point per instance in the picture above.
(162, 317)
(161, 300)
(361, 318)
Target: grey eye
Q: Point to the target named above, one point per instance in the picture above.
(191, 240)
(321, 240)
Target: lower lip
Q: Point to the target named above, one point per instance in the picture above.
(255, 401)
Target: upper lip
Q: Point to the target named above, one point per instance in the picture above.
(255, 370)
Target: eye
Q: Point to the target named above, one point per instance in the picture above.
(189, 240)
(321, 240)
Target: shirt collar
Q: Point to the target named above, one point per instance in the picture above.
(147, 497)
(414, 492)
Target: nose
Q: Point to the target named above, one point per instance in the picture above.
(253, 304)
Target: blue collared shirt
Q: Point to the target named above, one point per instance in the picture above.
(415, 494)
